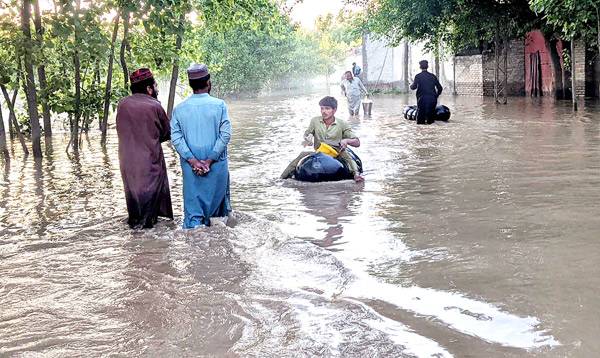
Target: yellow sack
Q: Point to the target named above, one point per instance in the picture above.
(327, 149)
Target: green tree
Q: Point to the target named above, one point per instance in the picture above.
(250, 45)
(458, 24)
(10, 70)
(29, 85)
(335, 40)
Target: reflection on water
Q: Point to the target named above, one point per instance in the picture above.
(474, 237)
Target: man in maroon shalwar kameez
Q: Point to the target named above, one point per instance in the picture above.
(142, 125)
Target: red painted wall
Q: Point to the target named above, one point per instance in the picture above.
(535, 41)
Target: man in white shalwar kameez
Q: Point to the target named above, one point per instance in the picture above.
(353, 89)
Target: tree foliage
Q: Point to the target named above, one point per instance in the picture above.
(335, 37)
(458, 24)
(571, 18)
(249, 45)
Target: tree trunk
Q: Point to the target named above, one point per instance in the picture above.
(563, 74)
(405, 67)
(41, 69)
(77, 66)
(442, 76)
(11, 133)
(11, 130)
(436, 61)
(97, 72)
(13, 118)
(108, 90)
(30, 91)
(175, 71)
(3, 149)
(573, 77)
(124, 47)
(598, 57)
(559, 89)
(454, 75)
(365, 59)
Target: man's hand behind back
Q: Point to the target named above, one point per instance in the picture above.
(200, 167)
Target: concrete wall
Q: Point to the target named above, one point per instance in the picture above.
(380, 59)
(386, 65)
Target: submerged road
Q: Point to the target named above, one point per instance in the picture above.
(477, 237)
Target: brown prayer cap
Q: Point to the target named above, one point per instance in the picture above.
(139, 75)
(196, 71)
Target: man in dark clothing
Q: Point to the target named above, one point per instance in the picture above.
(142, 125)
(356, 70)
(428, 90)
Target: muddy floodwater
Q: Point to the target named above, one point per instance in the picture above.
(474, 238)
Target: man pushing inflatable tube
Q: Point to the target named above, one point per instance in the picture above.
(319, 167)
(442, 113)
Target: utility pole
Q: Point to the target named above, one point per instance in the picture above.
(454, 75)
(500, 68)
(573, 79)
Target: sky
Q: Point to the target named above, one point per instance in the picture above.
(307, 12)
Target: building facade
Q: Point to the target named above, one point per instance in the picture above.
(534, 68)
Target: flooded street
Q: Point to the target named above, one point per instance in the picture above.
(473, 238)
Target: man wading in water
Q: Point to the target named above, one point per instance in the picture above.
(328, 129)
(142, 125)
(353, 89)
(428, 90)
(200, 130)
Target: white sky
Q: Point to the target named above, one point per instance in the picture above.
(307, 12)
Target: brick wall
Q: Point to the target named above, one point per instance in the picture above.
(469, 75)
(515, 66)
(475, 74)
(488, 74)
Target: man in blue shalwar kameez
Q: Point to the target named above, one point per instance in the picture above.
(200, 131)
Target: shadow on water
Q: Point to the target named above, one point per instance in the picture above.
(331, 202)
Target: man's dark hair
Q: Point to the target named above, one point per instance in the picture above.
(200, 83)
(328, 102)
(140, 87)
(423, 64)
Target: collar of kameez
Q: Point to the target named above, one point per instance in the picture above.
(332, 123)
(144, 95)
(199, 94)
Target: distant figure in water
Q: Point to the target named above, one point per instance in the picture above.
(428, 90)
(200, 131)
(353, 89)
(142, 125)
(330, 130)
(356, 70)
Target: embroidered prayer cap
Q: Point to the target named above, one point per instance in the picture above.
(140, 75)
(197, 71)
